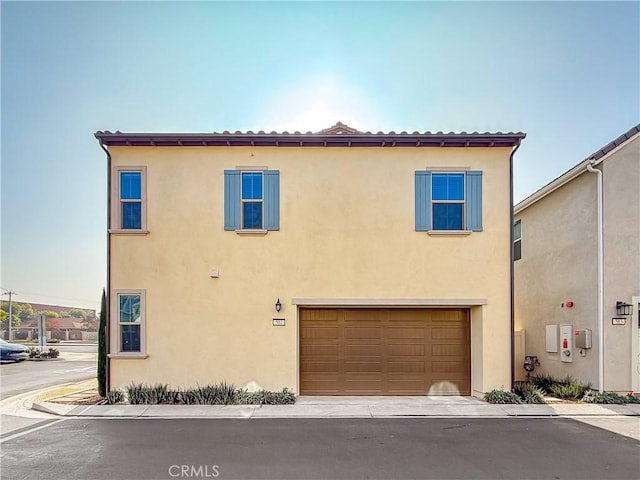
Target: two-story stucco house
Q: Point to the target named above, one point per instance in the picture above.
(331, 263)
(577, 269)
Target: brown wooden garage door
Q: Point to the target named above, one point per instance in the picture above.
(384, 351)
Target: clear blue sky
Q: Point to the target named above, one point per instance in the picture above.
(567, 74)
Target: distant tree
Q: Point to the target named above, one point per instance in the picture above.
(26, 312)
(48, 313)
(53, 324)
(102, 347)
(78, 313)
(4, 315)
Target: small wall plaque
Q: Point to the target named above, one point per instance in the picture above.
(279, 322)
(618, 321)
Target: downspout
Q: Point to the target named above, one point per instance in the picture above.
(600, 278)
(512, 286)
(108, 316)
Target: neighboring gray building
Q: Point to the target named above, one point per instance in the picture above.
(560, 290)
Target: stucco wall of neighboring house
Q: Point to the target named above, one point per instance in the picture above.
(559, 265)
(622, 260)
(346, 231)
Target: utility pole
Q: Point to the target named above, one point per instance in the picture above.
(10, 293)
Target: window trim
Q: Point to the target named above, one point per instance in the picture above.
(115, 335)
(517, 240)
(463, 202)
(252, 200)
(116, 203)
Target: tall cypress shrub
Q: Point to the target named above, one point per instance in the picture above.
(102, 347)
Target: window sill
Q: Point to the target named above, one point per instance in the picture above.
(449, 232)
(128, 355)
(252, 232)
(119, 231)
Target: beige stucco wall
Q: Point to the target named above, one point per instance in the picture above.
(346, 231)
(559, 264)
(621, 182)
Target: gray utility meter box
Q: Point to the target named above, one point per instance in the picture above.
(583, 338)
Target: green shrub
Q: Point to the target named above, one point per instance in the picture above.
(572, 391)
(219, 394)
(136, 394)
(264, 397)
(631, 398)
(605, 397)
(157, 394)
(543, 382)
(53, 340)
(113, 397)
(528, 392)
(222, 394)
(501, 396)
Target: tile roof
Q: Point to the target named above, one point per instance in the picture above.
(576, 170)
(615, 143)
(337, 135)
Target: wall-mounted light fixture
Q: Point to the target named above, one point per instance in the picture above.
(278, 305)
(623, 308)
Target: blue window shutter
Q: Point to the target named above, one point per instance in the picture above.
(231, 199)
(423, 201)
(272, 200)
(474, 201)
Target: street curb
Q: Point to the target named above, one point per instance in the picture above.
(290, 412)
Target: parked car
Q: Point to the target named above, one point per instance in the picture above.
(13, 351)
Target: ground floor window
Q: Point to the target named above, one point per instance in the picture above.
(128, 322)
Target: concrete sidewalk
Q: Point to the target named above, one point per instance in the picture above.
(328, 407)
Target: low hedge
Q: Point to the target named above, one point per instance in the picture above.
(218, 394)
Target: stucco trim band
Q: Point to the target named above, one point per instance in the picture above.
(390, 302)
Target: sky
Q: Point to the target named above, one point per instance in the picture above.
(566, 74)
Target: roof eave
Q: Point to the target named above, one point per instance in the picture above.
(594, 159)
(311, 140)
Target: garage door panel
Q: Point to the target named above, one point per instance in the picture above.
(321, 366)
(384, 351)
(365, 365)
(447, 333)
(398, 332)
(408, 349)
(357, 333)
(446, 367)
(374, 350)
(312, 350)
(453, 350)
(406, 367)
(320, 333)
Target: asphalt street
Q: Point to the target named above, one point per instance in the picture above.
(407, 448)
(76, 362)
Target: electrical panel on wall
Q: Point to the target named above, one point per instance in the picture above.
(552, 339)
(583, 338)
(566, 343)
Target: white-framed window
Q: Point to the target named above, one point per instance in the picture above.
(448, 201)
(128, 323)
(251, 197)
(517, 240)
(129, 198)
(252, 200)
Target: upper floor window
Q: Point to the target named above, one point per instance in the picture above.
(251, 186)
(129, 212)
(517, 240)
(448, 201)
(252, 200)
